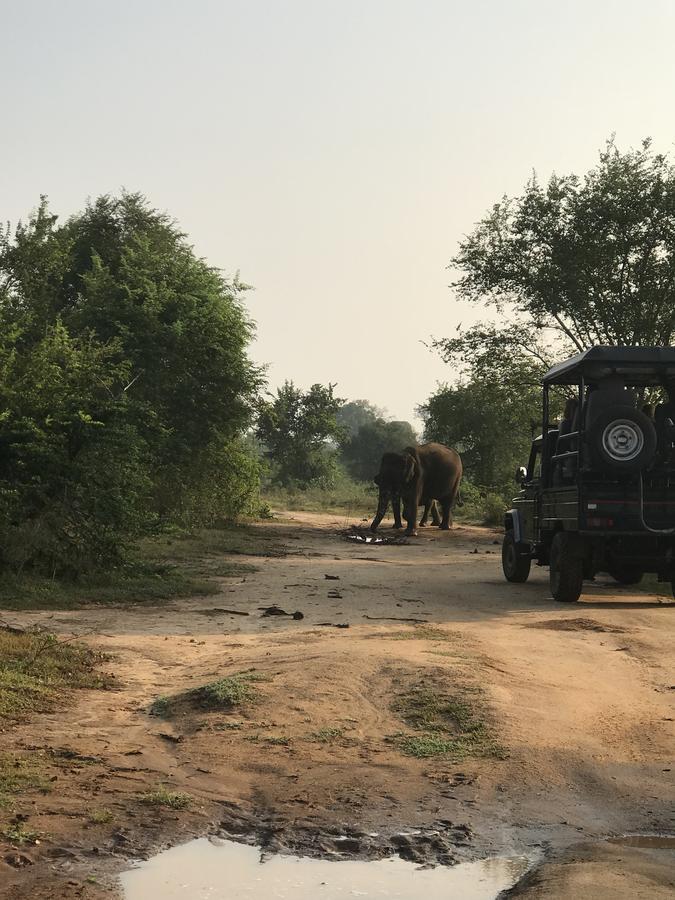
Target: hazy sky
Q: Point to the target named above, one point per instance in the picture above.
(333, 151)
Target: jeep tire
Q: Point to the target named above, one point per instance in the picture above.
(566, 572)
(516, 566)
(622, 440)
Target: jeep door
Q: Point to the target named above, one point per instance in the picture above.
(527, 503)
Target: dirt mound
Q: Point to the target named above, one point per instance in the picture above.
(575, 625)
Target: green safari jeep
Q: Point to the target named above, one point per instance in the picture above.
(598, 492)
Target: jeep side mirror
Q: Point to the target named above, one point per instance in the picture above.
(521, 475)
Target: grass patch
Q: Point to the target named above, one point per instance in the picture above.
(146, 583)
(348, 496)
(161, 707)
(196, 550)
(18, 834)
(423, 633)
(224, 694)
(19, 774)
(278, 741)
(327, 735)
(101, 816)
(36, 668)
(163, 568)
(461, 657)
(167, 799)
(455, 725)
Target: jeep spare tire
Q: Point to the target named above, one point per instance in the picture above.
(622, 440)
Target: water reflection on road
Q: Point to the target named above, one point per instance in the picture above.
(223, 870)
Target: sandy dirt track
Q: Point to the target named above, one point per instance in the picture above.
(580, 697)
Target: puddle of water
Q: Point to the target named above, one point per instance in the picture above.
(203, 870)
(645, 841)
(368, 539)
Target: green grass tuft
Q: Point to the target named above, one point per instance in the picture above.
(36, 668)
(18, 834)
(278, 741)
(224, 694)
(101, 816)
(21, 773)
(327, 735)
(168, 799)
(423, 633)
(161, 707)
(455, 725)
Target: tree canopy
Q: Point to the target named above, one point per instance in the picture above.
(299, 430)
(124, 381)
(372, 435)
(582, 260)
(489, 417)
(355, 413)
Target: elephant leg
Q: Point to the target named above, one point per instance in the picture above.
(410, 513)
(435, 518)
(396, 506)
(446, 506)
(429, 505)
(382, 504)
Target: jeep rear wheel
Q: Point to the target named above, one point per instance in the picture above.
(622, 440)
(516, 566)
(566, 571)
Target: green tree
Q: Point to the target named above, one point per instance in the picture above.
(299, 430)
(361, 452)
(355, 413)
(114, 305)
(583, 260)
(489, 417)
(74, 468)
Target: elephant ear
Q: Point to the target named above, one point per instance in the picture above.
(411, 465)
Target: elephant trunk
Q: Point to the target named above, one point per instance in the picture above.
(382, 504)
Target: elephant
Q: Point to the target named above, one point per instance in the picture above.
(418, 476)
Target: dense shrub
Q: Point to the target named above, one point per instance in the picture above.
(124, 386)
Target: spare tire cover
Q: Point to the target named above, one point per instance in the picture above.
(622, 439)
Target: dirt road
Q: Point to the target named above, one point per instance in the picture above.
(569, 710)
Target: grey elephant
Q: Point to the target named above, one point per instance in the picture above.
(417, 476)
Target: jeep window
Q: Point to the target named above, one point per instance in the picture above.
(534, 464)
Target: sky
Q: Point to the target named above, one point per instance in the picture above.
(333, 152)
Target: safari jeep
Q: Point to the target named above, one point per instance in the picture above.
(598, 493)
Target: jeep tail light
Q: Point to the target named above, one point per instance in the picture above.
(599, 522)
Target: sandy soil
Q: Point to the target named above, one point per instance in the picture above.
(581, 698)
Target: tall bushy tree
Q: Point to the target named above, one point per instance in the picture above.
(489, 416)
(362, 451)
(132, 316)
(300, 430)
(355, 413)
(588, 260)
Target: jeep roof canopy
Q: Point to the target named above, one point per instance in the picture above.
(636, 365)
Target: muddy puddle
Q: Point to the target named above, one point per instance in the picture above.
(223, 870)
(357, 537)
(645, 841)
